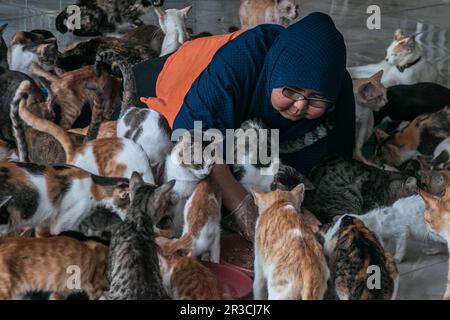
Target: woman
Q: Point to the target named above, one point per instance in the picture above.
(294, 79)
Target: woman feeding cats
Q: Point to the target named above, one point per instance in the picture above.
(293, 79)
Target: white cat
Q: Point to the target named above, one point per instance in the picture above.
(403, 221)
(173, 24)
(404, 64)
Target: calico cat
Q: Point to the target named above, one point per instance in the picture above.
(421, 136)
(70, 92)
(3, 49)
(185, 278)
(437, 220)
(403, 221)
(133, 266)
(32, 264)
(255, 12)
(370, 96)
(57, 197)
(201, 230)
(173, 24)
(351, 248)
(343, 186)
(404, 64)
(406, 102)
(111, 157)
(289, 262)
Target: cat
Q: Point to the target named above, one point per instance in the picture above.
(185, 278)
(255, 12)
(173, 24)
(133, 265)
(110, 157)
(289, 261)
(403, 221)
(57, 197)
(434, 174)
(70, 92)
(370, 96)
(437, 220)
(3, 49)
(149, 34)
(345, 186)
(201, 229)
(406, 102)
(404, 64)
(9, 82)
(421, 136)
(351, 249)
(49, 266)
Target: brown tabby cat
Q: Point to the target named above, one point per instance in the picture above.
(49, 264)
(437, 219)
(421, 136)
(255, 12)
(289, 262)
(70, 91)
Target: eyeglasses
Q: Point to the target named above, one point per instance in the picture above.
(313, 102)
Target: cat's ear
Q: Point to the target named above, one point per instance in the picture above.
(398, 35)
(298, 192)
(2, 28)
(163, 263)
(185, 11)
(164, 191)
(135, 182)
(4, 200)
(258, 197)
(377, 76)
(381, 135)
(430, 201)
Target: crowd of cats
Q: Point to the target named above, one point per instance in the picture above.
(115, 198)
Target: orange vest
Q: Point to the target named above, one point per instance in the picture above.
(180, 70)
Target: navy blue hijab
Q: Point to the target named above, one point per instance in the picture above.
(237, 84)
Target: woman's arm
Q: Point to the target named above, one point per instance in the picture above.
(232, 191)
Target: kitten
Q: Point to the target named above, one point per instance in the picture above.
(133, 266)
(48, 266)
(185, 278)
(404, 64)
(111, 157)
(58, 197)
(406, 102)
(434, 175)
(343, 186)
(70, 91)
(201, 230)
(421, 136)
(351, 249)
(403, 221)
(3, 49)
(370, 96)
(255, 12)
(437, 220)
(289, 262)
(173, 24)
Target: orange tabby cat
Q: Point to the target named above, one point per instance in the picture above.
(184, 277)
(437, 218)
(255, 12)
(289, 262)
(107, 129)
(49, 264)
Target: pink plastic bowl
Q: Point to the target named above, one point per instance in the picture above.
(233, 245)
(232, 282)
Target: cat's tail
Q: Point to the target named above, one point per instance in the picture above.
(20, 97)
(46, 126)
(129, 85)
(59, 22)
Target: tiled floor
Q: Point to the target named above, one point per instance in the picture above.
(422, 277)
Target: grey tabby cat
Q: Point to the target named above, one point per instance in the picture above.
(3, 50)
(133, 266)
(348, 186)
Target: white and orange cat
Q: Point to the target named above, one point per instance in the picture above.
(201, 230)
(289, 261)
(109, 157)
(437, 219)
(404, 64)
(370, 96)
(256, 12)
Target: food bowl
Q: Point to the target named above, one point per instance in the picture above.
(237, 252)
(236, 285)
